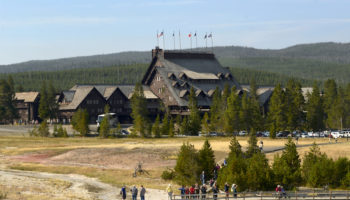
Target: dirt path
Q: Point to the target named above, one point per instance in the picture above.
(62, 186)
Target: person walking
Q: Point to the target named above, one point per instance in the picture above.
(261, 145)
(202, 178)
(142, 192)
(123, 192)
(169, 190)
(134, 192)
(234, 190)
(226, 189)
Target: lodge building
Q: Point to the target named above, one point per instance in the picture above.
(166, 84)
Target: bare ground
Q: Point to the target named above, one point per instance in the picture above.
(41, 185)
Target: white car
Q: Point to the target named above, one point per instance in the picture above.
(336, 134)
(242, 133)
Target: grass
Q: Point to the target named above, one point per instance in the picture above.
(111, 176)
(54, 146)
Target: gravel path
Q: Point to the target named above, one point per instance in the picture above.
(80, 187)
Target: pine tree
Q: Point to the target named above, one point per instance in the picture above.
(287, 166)
(52, 102)
(259, 174)
(231, 119)
(8, 110)
(252, 144)
(207, 159)
(336, 113)
(194, 121)
(205, 124)
(156, 129)
(171, 128)
(295, 101)
(235, 171)
(235, 147)
(314, 109)
(178, 124)
(44, 109)
(215, 111)
(184, 129)
(330, 94)
(256, 116)
(187, 168)
(164, 130)
(139, 111)
(80, 122)
(277, 108)
(43, 129)
(245, 117)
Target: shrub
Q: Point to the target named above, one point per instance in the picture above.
(168, 174)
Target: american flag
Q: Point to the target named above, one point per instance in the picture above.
(161, 34)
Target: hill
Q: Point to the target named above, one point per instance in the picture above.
(65, 79)
(319, 61)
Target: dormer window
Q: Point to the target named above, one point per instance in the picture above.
(158, 78)
(171, 76)
(182, 76)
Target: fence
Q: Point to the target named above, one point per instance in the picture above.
(301, 195)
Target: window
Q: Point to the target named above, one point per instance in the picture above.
(158, 78)
(89, 102)
(170, 98)
(100, 110)
(119, 110)
(96, 101)
(159, 90)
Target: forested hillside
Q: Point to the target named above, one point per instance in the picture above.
(126, 74)
(320, 61)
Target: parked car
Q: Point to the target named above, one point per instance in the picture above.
(242, 133)
(283, 134)
(266, 134)
(304, 135)
(346, 133)
(335, 134)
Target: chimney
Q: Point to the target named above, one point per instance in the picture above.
(157, 52)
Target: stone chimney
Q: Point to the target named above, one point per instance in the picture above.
(157, 52)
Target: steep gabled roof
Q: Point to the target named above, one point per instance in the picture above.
(79, 95)
(28, 97)
(199, 70)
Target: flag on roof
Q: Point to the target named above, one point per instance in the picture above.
(210, 35)
(190, 35)
(161, 34)
(195, 34)
(173, 34)
(205, 37)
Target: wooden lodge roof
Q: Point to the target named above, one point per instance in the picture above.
(181, 70)
(27, 97)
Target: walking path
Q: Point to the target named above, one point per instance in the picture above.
(80, 186)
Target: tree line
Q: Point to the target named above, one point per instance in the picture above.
(126, 74)
(251, 171)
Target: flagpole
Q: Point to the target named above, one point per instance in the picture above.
(163, 40)
(212, 46)
(174, 39)
(179, 40)
(191, 40)
(206, 40)
(196, 40)
(157, 39)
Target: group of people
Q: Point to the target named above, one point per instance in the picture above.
(134, 192)
(280, 192)
(201, 191)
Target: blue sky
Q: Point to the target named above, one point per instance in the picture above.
(46, 29)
